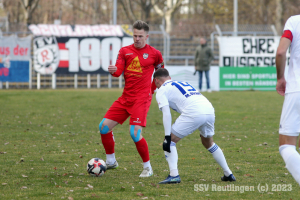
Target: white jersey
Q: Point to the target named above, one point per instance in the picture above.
(183, 98)
(293, 78)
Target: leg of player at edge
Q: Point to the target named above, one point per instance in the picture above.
(142, 148)
(108, 141)
(218, 155)
(287, 149)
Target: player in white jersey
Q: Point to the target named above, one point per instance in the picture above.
(196, 112)
(290, 116)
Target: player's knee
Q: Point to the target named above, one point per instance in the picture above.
(105, 128)
(134, 137)
(174, 138)
(207, 141)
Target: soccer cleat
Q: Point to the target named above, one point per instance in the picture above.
(112, 166)
(228, 178)
(171, 179)
(147, 172)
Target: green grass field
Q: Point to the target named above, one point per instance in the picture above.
(48, 136)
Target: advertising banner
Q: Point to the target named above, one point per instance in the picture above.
(247, 51)
(79, 49)
(15, 58)
(247, 78)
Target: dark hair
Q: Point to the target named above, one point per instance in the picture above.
(139, 25)
(162, 72)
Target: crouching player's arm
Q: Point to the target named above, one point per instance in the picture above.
(167, 121)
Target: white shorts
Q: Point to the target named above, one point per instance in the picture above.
(185, 125)
(290, 115)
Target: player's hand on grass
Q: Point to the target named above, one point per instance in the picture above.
(280, 86)
(167, 144)
(112, 69)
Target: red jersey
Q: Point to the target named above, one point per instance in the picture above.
(138, 66)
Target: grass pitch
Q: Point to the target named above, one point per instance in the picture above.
(48, 136)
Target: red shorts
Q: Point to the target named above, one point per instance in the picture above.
(137, 109)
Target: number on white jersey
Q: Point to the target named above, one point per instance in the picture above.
(185, 88)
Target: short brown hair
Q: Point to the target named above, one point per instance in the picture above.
(162, 72)
(139, 25)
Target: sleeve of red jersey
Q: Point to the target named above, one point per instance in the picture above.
(289, 28)
(159, 64)
(287, 34)
(120, 63)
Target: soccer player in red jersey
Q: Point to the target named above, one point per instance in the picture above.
(138, 62)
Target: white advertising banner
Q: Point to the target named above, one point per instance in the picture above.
(15, 58)
(245, 51)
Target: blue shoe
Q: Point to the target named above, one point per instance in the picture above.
(228, 178)
(171, 179)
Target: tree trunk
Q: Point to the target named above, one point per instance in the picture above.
(126, 5)
(169, 24)
(168, 14)
(279, 16)
(28, 7)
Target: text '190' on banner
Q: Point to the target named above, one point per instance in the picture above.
(79, 49)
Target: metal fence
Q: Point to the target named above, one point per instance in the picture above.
(176, 52)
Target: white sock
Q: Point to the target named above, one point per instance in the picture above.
(220, 158)
(174, 172)
(147, 164)
(172, 159)
(110, 158)
(291, 159)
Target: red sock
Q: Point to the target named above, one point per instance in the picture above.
(108, 142)
(142, 148)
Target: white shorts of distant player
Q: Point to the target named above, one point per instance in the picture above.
(185, 125)
(290, 115)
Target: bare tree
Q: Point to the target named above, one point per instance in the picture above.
(127, 7)
(167, 12)
(138, 9)
(221, 11)
(20, 13)
(86, 11)
(28, 8)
